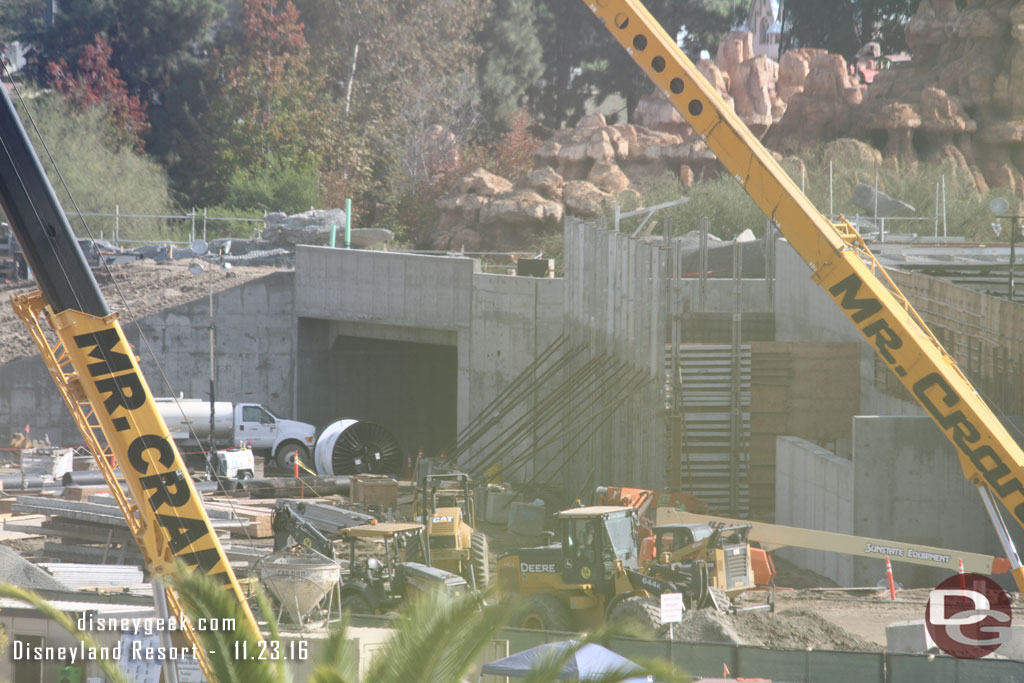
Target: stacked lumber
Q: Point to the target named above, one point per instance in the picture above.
(256, 519)
(93, 532)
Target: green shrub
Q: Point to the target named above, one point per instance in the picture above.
(93, 178)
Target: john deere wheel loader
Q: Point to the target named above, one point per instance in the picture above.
(575, 584)
(596, 574)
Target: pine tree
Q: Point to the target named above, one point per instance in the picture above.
(510, 61)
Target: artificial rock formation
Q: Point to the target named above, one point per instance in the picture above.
(578, 172)
(958, 100)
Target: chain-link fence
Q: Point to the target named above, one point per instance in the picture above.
(134, 229)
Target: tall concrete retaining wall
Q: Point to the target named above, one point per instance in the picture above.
(904, 483)
(496, 325)
(805, 312)
(814, 489)
(254, 352)
(909, 487)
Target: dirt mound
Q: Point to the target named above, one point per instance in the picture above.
(144, 287)
(788, 630)
(17, 571)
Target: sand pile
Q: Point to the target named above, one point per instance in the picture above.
(787, 630)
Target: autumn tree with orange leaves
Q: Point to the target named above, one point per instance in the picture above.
(266, 112)
(98, 84)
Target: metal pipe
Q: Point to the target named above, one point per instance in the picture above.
(640, 381)
(1000, 526)
(549, 407)
(583, 424)
(170, 669)
(1013, 245)
(286, 487)
(496, 416)
(573, 414)
(21, 481)
(509, 397)
(83, 478)
(348, 223)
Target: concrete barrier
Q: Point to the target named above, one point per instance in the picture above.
(526, 518)
(498, 503)
(908, 637)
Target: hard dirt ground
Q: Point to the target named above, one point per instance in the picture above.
(135, 289)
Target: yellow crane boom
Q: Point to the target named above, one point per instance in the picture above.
(98, 375)
(842, 264)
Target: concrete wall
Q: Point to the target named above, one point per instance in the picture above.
(814, 489)
(497, 324)
(909, 487)
(805, 312)
(903, 484)
(254, 352)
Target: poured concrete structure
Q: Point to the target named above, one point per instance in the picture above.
(457, 335)
(254, 351)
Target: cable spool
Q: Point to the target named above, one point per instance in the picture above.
(350, 446)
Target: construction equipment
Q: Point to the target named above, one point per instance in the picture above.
(98, 375)
(596, 573)
(735, 565)
(371, 586)
(573, 585)
(288, 523)
(647, 501)
(774, 536)
(445, 502)
(709, 565)
(300, 580)
(842, 264)
(234, 423)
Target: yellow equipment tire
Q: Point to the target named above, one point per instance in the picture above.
(480, 557)
(643, 612)
(542, 612)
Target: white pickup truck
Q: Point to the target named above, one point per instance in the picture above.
(252, 424)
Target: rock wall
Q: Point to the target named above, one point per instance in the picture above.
(957, 100)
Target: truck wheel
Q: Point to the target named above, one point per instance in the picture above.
(642, 612)
(480, 558)
(543, 612)
(288, 452)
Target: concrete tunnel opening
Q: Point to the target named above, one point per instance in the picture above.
(409, 388)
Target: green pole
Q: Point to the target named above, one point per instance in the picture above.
(348, 223)
(334, 232)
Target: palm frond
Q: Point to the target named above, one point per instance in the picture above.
(202, 598)
(436, 640)
(335, 653)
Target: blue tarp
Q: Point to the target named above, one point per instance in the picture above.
(588, 663)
